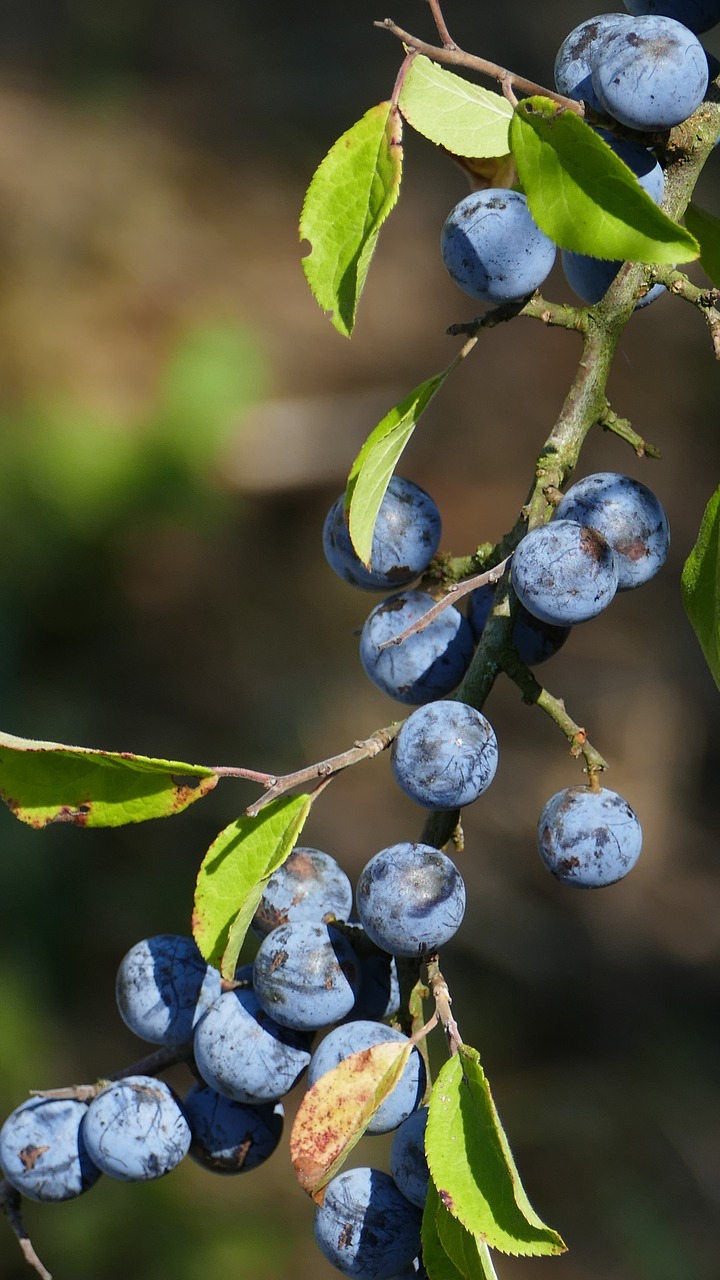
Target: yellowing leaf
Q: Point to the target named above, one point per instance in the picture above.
(350, 196)
(45, 782)
(452, 112)
(335, 1112)
(234, 872)
(583, 196)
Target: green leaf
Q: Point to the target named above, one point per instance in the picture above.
(700, 584)
(469, 1255)
(437, 1263)
(453, 113)
(706, 228)
(583, 196)
(336, 1111)
(350, 196)
(44, 782)
(472, 1166)
(234, 872)
(373, 468)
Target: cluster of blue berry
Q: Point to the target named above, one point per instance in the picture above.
(646, 72)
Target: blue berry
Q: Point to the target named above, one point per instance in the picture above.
(630, 519)
(429, 663)
(573, 64)
(306, 975)
(591, 277)
(534, 640)
(135, 1129)
(698, 15)
(410, 899)
(243, 1053)
(354, 1037)
(227, 1136)
(588, 838)
(163, 986)
(445, 755)
(564, 573)
(379, 994)
(650, 73)
(408, 1163)
(493, 249)
(42, 1150)
(309, 885)
(365, 1227)
(406, 537)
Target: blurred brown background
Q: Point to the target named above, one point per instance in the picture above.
(176, 418)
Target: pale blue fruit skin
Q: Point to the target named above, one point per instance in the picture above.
(445, 755)
(493, 249)
(163, 987)
(590, 278)
(588, 838)
(64, 1169)
(243, 1053)
(406, 537)
(534, 640)
(230, 1137)
(629, 517)
(365, 1226)
(564, 573)
(698, 15)
(425, 666)
(306, 975)
(650, 74)
(310, 885)
(353, 1037)
(410, 899)
(408, 1163)
(573, 64)
(135, 1130)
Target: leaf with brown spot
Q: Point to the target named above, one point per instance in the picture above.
(47, 782)
(336, 1111)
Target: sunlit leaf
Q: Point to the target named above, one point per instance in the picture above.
(467, 1252)
(472, 1166)
(452, 112)
(373, 467)
(435, 1258)
(583, 196)
(336, 1111)
(350, 196)
(234, 872)
(44, 782)
(706, 229)
(701, 586)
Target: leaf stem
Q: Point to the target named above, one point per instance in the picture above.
(363, 749)
(10, 1206)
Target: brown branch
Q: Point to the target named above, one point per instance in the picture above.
(10, 1205)
(443, 1001)
(455, 592)
(459, 58)
(363, 749)
(439, 20)
(554, 314)
(151, 1065)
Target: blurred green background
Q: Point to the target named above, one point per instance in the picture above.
(176, 418)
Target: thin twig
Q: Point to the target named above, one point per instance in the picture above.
(443, 1000)
(609, 421)
(534, 694)
(363, 749)
(151, 1065)
(439, 20)
(705, 300)
(459, 58)
(554, 314)
(10, 1205)
(455, 592)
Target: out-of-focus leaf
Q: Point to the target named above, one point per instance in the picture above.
(700, 585)
(706, 229)
(336, 1111)
(350, 196)
(45, 782)
(583, 196)
(234, 872)
(452, 112)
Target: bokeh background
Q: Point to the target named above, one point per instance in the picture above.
(176, 416)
